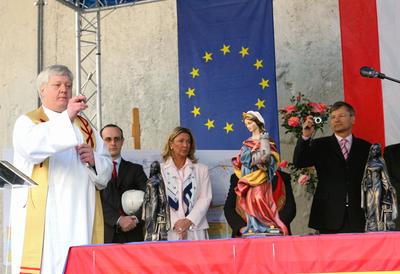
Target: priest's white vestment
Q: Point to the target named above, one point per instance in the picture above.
(71, 185)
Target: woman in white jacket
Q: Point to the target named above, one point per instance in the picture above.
(188, 187)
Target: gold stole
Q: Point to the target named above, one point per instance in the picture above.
(37, 198)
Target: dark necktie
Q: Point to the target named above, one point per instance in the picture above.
(114, 171)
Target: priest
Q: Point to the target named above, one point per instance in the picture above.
(60, 151)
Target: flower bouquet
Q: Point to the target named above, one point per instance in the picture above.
(294, 114)
(293, 117)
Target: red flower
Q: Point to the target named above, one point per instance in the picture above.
(290, 108)
(283, 164)
(303, 179)
(318, 107)
(323, 106)
(294, 121)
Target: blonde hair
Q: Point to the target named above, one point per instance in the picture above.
(167, 152)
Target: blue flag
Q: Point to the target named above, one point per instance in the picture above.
(226, 67)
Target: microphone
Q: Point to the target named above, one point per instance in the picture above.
(371, 73)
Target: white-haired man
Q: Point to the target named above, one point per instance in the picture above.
(59, 150)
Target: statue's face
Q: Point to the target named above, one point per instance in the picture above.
(252, 126)
(376, 150)
(155, 167)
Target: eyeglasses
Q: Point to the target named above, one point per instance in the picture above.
(115, 139)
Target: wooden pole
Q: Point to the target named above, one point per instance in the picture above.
(136, 128)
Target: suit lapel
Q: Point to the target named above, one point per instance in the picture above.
(338, 151)
(354, 147)
(335, 147)
(121, 172)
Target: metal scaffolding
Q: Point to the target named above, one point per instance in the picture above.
(88, 49)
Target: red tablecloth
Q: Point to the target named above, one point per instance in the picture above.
(291, 254)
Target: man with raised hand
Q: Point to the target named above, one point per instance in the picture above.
(339, 160)
(59, 150)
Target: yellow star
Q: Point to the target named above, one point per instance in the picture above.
(190, 92)
(207, 56)
(226, 49)
(264, 83)
(228, 127)
(244, 52)
(195, 72)
(260, 103)
(209, 124)
(196, 111)
(258, 64)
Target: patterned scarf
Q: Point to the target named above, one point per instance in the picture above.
(189, 188)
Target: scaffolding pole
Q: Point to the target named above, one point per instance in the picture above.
(88, 52)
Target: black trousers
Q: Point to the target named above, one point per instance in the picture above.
(345, 228)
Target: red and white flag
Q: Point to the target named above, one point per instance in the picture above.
(370, 31)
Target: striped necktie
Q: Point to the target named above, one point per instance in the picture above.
(343, 147)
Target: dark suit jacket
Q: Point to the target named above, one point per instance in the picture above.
(130, 176)
(392, 159)
(287, 213)
(337, 178)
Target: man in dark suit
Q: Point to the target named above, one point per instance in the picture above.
(237, 223)
(340, 161)
(391, 155)
(119, 228)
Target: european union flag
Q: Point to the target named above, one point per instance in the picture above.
(226, 67)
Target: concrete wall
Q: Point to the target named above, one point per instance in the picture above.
(17, 70)
(139, 64)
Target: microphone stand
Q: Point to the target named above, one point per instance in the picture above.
(372, 73)
(389, 78)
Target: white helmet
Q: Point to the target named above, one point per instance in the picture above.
(131, 201)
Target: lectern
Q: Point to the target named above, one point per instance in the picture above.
(14, 184)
